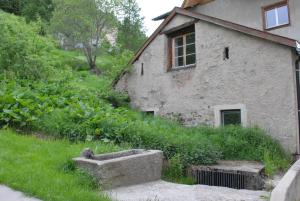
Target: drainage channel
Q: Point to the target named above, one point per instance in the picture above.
(215, 178)
(231, 174)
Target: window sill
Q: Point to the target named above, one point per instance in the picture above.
(182, 68)
(277, 27)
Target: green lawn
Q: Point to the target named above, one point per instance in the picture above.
(42, 168)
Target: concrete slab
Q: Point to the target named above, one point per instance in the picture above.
(165, 191)
(7, 194)
(242, 166)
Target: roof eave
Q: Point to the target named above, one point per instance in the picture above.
(153, 36)
(162, 17)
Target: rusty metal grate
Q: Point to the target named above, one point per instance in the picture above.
(216, 178)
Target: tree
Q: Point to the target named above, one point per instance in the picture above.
(84, 22)
(35, 9)
(131, 32)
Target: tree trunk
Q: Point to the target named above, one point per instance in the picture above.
(94, 69)
(91, 61)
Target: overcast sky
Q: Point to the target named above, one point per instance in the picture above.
(154, 8)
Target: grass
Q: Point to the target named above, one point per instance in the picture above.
(42, 168)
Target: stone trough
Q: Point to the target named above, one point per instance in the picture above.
(122, 168)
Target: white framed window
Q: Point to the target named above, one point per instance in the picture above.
(276, 15)
(230, 115)
(184, 50)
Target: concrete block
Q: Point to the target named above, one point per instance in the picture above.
(288, 187)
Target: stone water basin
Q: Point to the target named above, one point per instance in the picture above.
(123, 168)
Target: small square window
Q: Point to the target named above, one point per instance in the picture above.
(276, 15)
(231, 117)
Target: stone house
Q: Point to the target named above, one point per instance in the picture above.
(220, 62)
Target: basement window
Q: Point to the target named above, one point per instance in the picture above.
(276, 15)
(148, 113)
(231, 117)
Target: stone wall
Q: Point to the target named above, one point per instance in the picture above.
(259, 76)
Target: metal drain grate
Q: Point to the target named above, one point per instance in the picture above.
(224, 179)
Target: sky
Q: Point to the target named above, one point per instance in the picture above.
(153, 8)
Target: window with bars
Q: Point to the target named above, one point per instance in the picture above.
(184, 50)
(276, 15)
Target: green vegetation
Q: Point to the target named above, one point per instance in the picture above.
(42, 168)
(32, 10)
(174, 172)
(85, 22)
(131, 33)
(51, 91)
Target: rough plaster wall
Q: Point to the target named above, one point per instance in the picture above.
(259, 74)
(249, 13)
(177, 20)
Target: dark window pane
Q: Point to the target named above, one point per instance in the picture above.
(178, 51)
(271, 18)
(190, 38)
(190, 49)
(178, 41)
(231, 117)
(190, 59)
(283, 15)
(178, 61)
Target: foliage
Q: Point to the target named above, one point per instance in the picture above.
(44, 170)
(131, 34)
(32, 10)
(12, 6)
(23, 52)
(174, 172)
(84, 23)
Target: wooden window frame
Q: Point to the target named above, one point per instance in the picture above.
(184, 30)
(271, 7)
(184, 45)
